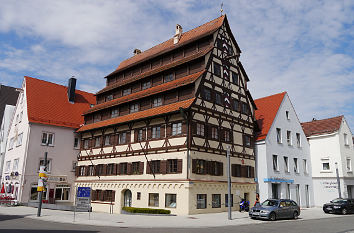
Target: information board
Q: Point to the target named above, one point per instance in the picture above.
(83, 198)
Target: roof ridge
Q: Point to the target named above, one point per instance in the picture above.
(329, 118)
(284, 92)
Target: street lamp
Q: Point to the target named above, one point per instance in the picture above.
(338, 181)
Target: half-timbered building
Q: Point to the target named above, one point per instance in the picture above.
(160, 131)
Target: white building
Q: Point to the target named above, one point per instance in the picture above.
(44, 121)
(283, 153)
(330, 143)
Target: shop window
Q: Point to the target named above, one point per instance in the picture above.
(170, 200)
(216, 201)
(154, 199)
(62, 192)
(201, 201)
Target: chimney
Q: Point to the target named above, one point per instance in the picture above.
(178, 34)
(136, 51)
(71, 89)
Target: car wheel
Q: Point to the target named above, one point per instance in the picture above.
(272, 216)
(295, 215)
(344, 211)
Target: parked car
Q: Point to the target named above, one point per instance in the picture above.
(339, 206)
(273, 209)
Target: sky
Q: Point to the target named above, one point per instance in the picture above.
(303, 47)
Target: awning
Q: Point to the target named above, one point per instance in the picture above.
(278, 180)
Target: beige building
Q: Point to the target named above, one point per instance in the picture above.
(158, 135)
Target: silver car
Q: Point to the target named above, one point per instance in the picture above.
(273, 209)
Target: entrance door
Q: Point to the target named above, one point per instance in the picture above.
(128, 198)
(275, 193)
(349, 189)
(307, 195)
(51, 196)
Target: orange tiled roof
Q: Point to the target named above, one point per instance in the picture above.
(158, 69)
(317, 127)
(267, 108)
(187, 37)
(47, 103)
(150, 91)
(140, 115)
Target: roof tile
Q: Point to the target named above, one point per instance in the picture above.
(324, 126)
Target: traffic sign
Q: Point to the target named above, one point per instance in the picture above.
(83, 192)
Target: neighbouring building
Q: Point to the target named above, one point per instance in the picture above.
(331, 146)
(283, 153)
(160, 130)
(45, 119)
(8, 99)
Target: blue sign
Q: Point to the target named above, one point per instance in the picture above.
(83, 192)
(278, 180)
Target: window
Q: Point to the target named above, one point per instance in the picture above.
(135, 168)
(286, 164)
(279, 135)
(154, 199)
(97, 117)
(48, 139)
(275, 162)
(114, 113)
(7, 167)
(168, 77)
(176, 128)
(288, 137)
(296, 167)
(127, 91)
(155, 166)
(49, 164)
(236, 170)
(218, 98)
(122, 138)
(16, 121)
(349, 165)
(200, 166)
(214, 133)
(227, 200)
(107, 140)
(156, 130)
(236, 105)
(207, 94)
(234, 78)
(305, 166)
(20, 118)
(86, 143)
(62, 192)
(146, 85)
(138, 195)
(82, 171)
(19, 139)
(346, 141)
(157, 101)
(140, 135)
(201, 201)
(98, 142)
(76, 143)
(226, 135)
(11, 143)
(123, 168)
(15, 165)
(217, 69)
(247, 140)
(245, 108)
(325, 165)
(172, 165)
(109, 97)
(170, 200)
(298, 140)
(200, 129)
(287, 115)
(216, 201)
(109, 169)
(134, 108)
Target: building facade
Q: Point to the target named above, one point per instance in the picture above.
(283, 153)
(44, 121)
(160, 130)
(331, 147)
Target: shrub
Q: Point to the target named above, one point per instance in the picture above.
(145, 210)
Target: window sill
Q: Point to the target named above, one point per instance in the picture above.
(325, 171)
(51, 145)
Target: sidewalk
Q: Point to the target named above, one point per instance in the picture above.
(143, 221)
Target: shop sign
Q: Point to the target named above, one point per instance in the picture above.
(57, 179)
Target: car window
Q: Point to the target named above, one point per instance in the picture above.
(288, 203)
(293, 203)
(282, 204)
(270, 203)
(339, 201)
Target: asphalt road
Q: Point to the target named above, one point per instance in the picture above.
(342, 224)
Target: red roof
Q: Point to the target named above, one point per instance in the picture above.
(140, 115)
(187, 37)
(147, 92)
(48, 103)
(267, 108)
(317, 127)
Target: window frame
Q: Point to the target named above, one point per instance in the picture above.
(46, 142)
(171, 204)
(202, 201)
(176, 129)
(275, 163)
(279, 136)
(153, 200)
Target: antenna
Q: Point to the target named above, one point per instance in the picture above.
(221, 10)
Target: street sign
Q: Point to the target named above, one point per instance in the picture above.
(83, 198)
(83, 192)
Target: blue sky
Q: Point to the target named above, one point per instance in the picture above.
(302, 47)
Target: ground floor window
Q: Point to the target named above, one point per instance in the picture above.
(201, 201)
(227, 200)
(62, 192)
(34, 193)
(170, 201)
(216, 200)
(154, 199)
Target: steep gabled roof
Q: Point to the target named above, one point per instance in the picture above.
(152, 112)
(147, 92)
(48, 103)
(324, 126)
(8, 96)
(267, 108)
(187, 37)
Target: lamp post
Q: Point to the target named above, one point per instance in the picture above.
(338, 181)
(42, 176)
(228, 183)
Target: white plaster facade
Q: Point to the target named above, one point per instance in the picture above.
(285, 179)
(328, 149)
(4, 130)
(22, 158)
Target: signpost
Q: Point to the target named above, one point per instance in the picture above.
(83, 200)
